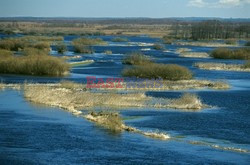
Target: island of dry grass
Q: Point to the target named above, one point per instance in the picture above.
(223, 67)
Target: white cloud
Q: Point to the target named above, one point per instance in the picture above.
(218, 4)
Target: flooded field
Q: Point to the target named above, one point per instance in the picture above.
(38, 134)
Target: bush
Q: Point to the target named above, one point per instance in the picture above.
(79, 48)
(109, 120)
(136, 58)
(5, 53)
(158, 47)
(225, 53)
(34, 51)
(159, 71)
(41, 45)
(119, 39)
(34, 65)
(83, 45)
(61, 47)
(12, 44)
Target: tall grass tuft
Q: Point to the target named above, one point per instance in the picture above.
(34, 65)
(136, 58)
(159, 71)
(61, 47)
(35, 51)
(83, 45)
(109, 120)
(225, 53)
(5, 53)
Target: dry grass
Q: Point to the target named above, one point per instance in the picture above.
(195, 55)
(113, 122)
(10, 86)
(165, 85)
(204, 44)
(222, 66)
(74, 100)
(75, 97)
(159, 71)
(136, 58)
(108, 52)
(79, 63)
(109, 120)
(182, 50)
(72, 85)
(225, 53)
(187, 101)
(5, 53)
(35, 51)
(34, 65)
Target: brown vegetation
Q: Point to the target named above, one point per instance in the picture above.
(159, 71)
(224, 53)
(34, 65)
(224, 67)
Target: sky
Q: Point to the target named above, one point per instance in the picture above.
(126, 8)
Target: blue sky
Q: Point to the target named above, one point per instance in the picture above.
(126, 8)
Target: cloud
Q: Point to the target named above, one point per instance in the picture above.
(218, 4)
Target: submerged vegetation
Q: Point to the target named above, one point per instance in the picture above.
(225, 53)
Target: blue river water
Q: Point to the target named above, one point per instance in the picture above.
(31, 134)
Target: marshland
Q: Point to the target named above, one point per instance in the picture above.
(171, 104)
